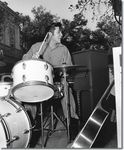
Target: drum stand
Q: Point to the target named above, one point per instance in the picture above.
(52, 129)
(53, 114)
(63, 73)
(42, 131)
(67, 97)
(53, 125)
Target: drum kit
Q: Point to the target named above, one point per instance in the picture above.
(32, 82)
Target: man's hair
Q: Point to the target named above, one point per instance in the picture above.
(52, 27)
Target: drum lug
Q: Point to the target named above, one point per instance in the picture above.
(46, 78)
(24, 78)
(24, 66)
(18, 110)
(46, 66)
(27, 131)
(14, 138)
(5, 115)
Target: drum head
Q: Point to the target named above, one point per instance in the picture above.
(33, 93)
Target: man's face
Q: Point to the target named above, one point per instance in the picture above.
(57, 35)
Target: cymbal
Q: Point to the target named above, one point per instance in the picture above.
(69, 68)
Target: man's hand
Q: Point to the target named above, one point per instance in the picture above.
(36, 55)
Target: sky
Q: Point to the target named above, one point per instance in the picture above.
(59, 7)
(56, 7)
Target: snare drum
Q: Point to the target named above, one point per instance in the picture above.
(4, 88)
(32, 81)
(14, 125)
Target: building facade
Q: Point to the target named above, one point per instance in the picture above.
(10, 50)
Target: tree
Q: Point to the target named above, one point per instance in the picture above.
(74, 33)
(113, 6)
(35, 30)
(42, 20)
(112, 31)
(80, 38)
(108, 32)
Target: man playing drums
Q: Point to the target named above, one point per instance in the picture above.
(56, 54)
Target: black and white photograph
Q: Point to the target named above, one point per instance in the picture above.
(61, 74)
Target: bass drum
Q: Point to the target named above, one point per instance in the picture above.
(14, 125)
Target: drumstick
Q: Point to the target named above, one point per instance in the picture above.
(37, 53)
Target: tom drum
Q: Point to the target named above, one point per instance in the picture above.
(32, 81)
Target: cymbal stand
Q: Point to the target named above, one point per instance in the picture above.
(66, 94)
(42, 131)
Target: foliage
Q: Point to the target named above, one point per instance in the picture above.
(100, 8)
(80, 38)
(112, 30)
(1, 16)
(107, 34)
(35, 30)
(95, 5)
(75, 34)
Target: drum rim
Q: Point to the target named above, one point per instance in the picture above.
(29, 83)
(40, 60)
(5, 127)
(29, 121)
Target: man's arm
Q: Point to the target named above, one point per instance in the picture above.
(33, 52)
(28, 55)
(68, 59)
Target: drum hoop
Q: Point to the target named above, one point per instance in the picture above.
(40, 60)
(30, 125)
(29, 83)
(6, 130)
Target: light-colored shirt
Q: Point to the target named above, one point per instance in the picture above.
(56, 56)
